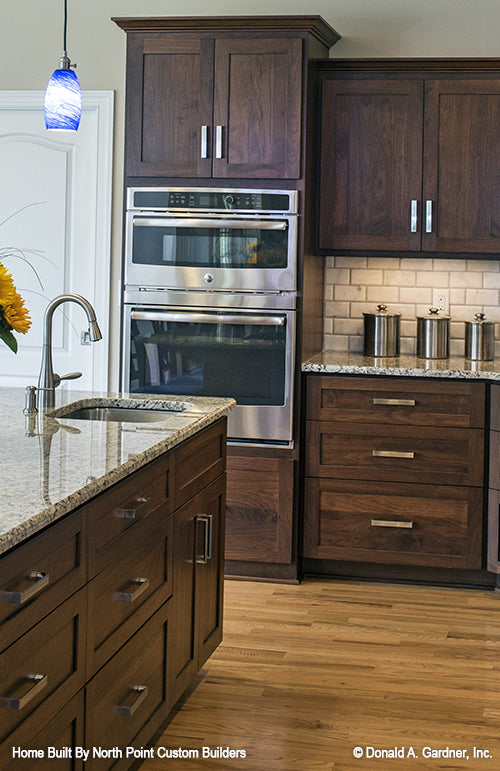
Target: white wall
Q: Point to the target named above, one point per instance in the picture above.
(31, 41)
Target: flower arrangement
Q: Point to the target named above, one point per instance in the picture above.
(13, 315)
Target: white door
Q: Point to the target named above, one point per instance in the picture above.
(55, 224)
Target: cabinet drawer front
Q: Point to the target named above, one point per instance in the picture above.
(199, 460)
(37, 576)
(123, 696)
(42, 670)
(451, 456)
(394, 401)
(128, 591)
(115, 515)
(428, 525)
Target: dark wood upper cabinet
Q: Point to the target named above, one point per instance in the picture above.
(218, 97)
(409, 160)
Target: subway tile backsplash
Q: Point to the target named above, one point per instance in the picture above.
(406, 285)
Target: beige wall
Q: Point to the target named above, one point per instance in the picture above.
(31, 33)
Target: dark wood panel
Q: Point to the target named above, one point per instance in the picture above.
(55, 648)
(370, 163)
(495, 406)
(118, 603)
(114, 687)
(437, 403)
(55, 560)
(257, 101)
(433, 455)
(462, 165)
(199, 460)
(259, 513)
(494, 466)
(169, 99)
(395, 523)
(119, 513)
(494, 531)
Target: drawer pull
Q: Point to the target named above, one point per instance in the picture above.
(129, 709)
(395, 402)
(39, 683)
(390, 523)
(40, 582)
(392, 454)
(132, 510)
(142, 585)
(207, 538)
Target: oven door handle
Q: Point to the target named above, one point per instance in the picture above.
(256, 224)
(209, 318)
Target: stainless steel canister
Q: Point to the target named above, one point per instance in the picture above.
(433, 335)
(381, 332)
(480, 338)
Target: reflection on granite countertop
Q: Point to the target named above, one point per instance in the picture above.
(52, 465)
(344, 363)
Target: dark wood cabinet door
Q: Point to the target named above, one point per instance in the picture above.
(257, 108)
(169, 105)
(462, 166)
(371, 164)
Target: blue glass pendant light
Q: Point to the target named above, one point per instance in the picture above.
(62, 105)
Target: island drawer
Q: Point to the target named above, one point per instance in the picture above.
(426, 525)
(450, 456)
(38, 575)
(126, 693)
(42, 671)
(129, 590)
(395, 401)
(114, 517)
(198, 461)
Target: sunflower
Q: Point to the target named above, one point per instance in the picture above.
(16, 315)
(7, 288)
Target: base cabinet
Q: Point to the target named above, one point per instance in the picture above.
(394, 473)
(98, 648)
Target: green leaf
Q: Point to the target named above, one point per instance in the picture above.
(8, 338)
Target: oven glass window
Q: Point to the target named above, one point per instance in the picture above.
(211, 247)
(243, 361)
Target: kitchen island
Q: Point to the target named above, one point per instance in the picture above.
(111, 569)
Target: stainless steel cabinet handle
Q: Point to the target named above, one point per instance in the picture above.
(132, 510)
(39, 683)
(204, 141)
(209, 318)
(396, 402)
(390, 523)
(218, 141)
(207, 542)
(428, 216)
(413, 216)
(392, 454)
(141, 692)
(142, 585)
(41, 581)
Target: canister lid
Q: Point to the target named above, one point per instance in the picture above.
(479, 319)
(382, 311)
(434, 313)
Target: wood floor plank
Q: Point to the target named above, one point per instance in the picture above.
(307, 673)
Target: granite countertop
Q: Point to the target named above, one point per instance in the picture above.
(344, 363)
(51, 464)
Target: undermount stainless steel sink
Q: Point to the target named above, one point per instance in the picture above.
(122, 414)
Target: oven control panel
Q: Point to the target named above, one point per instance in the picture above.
(212, 200)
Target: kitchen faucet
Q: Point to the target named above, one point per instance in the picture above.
(48, 379)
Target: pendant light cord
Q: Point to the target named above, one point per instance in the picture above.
(65, 25)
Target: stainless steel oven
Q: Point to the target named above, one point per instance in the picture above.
(210, 302)
(243, 352)
(205, 238)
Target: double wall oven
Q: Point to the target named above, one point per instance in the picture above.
(210, 301)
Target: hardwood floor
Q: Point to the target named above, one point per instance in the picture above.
(308, 673)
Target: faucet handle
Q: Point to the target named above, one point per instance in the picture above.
(69, 376)
(30, 407)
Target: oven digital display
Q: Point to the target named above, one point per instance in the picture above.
(212, 200)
